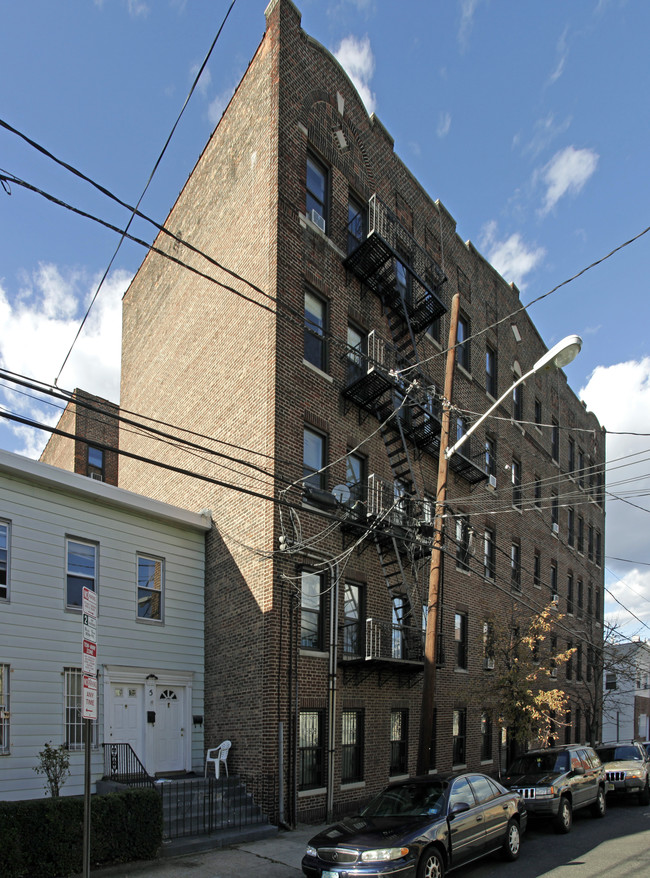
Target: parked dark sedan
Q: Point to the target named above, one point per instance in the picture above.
(424, 826)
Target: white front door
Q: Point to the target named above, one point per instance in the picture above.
(169, 732)
(126, 724)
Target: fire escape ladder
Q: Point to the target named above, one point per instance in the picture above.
(398, 578)
(392, 432)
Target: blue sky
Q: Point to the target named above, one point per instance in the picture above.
(529, 121)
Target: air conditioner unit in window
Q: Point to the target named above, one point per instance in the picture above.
(97, 476)
(317, 219)
(492, 483)
(555, 600)
(553, 673)
(555, 528)
(489, 664)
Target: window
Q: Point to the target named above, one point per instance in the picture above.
(400, 612)
(515, 566)
(590, 600)
(95, 463)
(569, 664)
(398, 742)
(311, 611)
(580, 598)
(581, 534)
(538, 414)
(571, 459)
(517, 400)
(357, 354)
(5, 711)
(356, 224)
(352, 746)
(486, 736)
(490, 456)
(462, 542)
(311, 747)
(553, 582)
(489, 554)
(352, 633)
(459, 735)
(315, 351)
(516, 483)
(570, 527)
(150, 588)
(537, 569)
(4, 560)
(597, 605)
(403, 279)
(610, 680)
(488, 646)
(460, 640)
(598, 548)
(590, 543)
(81, 570)
(317, 185)
(313, 459)
(569, 594)
(581, 468)
(579, 662)
(555, 441)
(555, 514)
(72, 694)
(435, 329)
(491, 371)
(462, 343)
(355, 479)
(538, 492)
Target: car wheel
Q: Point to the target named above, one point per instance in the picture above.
(564, 819)
(431, 865)
(599, 807)
(644, 795)
(512, 842)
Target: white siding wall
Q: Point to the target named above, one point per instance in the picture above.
(39, 637)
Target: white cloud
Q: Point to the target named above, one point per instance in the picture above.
(511, 257)
(218, 105)
(39, 326)
(444, 124)
(356, 58)
(204, 82)
(567, 172)
(619, 395)
(467, 11)
(137, 8)
(563, 54)
(629, 597)
(545, 131)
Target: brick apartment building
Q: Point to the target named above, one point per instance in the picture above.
(312, 371)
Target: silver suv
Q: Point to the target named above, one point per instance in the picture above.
(626, 769)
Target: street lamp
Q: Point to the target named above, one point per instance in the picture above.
(559, 355)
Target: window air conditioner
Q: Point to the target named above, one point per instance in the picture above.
(491, 483)
(317, 219)
(555, 528)
(555, 600)
(489, 664)
(97, 476)
(553, 672)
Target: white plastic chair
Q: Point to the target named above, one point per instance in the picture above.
(217, 755)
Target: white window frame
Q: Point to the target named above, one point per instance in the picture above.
(73, 723)
(157, 620)
(91, 580)
(4, 587)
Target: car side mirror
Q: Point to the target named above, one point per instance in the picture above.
(578, 771)
(458, 808)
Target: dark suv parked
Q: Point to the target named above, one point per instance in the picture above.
(557, 781)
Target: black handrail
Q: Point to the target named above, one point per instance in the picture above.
(122, 765)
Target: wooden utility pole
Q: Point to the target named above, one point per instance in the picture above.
(435, 570)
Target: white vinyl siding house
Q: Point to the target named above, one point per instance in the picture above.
(62, 527)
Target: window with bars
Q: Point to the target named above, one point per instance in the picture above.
(352, 737)
(311, 749)
(74, 724)
(5, 713)
(398, 741)
(150, 588)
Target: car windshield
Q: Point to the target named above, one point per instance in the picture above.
(625, 751)
(408, 800)
(540, 763)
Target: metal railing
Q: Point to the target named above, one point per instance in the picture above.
(388, 640)
(122, 765)
(201, 806)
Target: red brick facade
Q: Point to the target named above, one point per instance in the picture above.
(231, 368)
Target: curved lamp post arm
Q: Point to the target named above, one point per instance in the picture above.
(559, 355)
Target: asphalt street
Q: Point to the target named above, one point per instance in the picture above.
(616, 847)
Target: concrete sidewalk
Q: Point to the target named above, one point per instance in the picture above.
(277, 857)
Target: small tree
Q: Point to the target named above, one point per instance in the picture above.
(54, 763)
(523, 657)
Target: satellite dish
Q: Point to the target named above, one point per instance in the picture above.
(342, 494)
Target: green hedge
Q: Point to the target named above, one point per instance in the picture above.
(43, 838)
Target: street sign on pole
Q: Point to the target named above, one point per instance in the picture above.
(89, 700)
